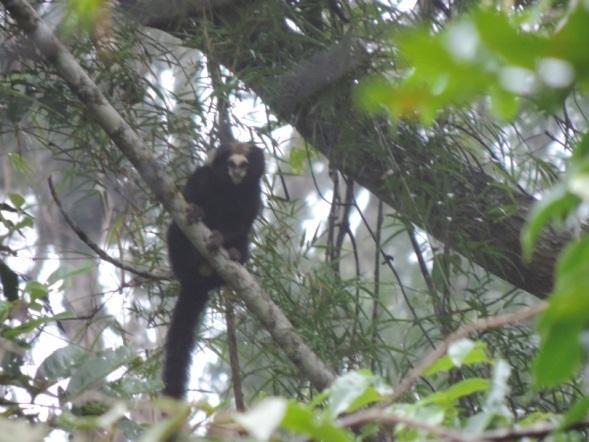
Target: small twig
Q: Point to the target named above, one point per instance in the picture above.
(437, 301)
(6, 249)
(441, 349)
(233, 354)
(376, 289)
(7, 207)
(344, 224)
(388, 261)
(332, 219)
(223, 118)
(101, 253)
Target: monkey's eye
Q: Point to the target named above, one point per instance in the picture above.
(240, 166)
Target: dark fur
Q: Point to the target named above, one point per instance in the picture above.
(228, 209)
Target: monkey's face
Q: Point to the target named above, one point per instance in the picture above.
(237, 165)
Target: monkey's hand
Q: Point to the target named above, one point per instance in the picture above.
(194, 213)
(234, 254)
(215, 241)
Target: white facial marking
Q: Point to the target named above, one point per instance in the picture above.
(237, 167)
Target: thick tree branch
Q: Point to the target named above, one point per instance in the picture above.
(236, 276)
(322, 70)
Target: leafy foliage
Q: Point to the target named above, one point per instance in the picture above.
(486, 53)
(496, 54)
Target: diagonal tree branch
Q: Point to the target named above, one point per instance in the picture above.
(236, 276)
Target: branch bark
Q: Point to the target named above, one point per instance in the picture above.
(236, 276)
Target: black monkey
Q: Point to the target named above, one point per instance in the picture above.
(227, 191)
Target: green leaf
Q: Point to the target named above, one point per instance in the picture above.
(130, 385)
(372, 94)
(503, 105)
(456, 391)
(33, 324)
(466, 351)
(581, 151)
(5, 309)
(559, 356)
(66, 273)
(297, 159)
(61, 363)
(557, 204)
(354, 390)
(560, 325)
(506, 42)
(16, 199)
(85, 12)
(26, 221)
(463, 352)
(570, 39)
(298, 418)
(486, 52)
(36, 290)
(576, 413)
(94, 368)
(19, 164)
(572, 265)
(309, 422)
(89, 420)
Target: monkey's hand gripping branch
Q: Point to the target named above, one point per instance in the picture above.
(125, 138)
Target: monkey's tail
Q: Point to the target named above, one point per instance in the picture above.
(181, 338)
